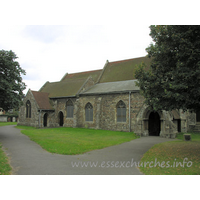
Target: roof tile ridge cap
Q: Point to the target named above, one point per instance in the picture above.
(119, 61)
(81, 72)
(105, 66)
(40, 92)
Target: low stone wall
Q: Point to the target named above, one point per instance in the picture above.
(3, 118)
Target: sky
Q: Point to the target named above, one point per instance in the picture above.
(48, 52)
(52, 38)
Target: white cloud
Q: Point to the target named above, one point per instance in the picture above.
(48, 52)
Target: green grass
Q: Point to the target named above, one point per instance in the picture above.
(71, 141)
(173, 158)
(7, 123)
(5, 168)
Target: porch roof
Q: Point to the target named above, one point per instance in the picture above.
(42, 99)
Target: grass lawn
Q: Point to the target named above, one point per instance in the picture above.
(7, 123)
(173, 158)
(73, 141)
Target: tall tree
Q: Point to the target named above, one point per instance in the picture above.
(11, 85)
(173, 81)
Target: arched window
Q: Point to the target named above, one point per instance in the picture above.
(70, 109)
(28, 109)
(88, 112)
(121, 112)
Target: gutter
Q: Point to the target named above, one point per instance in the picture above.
(62, 97)
(40, 118)
(114, 92)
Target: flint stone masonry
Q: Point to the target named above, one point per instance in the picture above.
(34, 120)
(103, 89)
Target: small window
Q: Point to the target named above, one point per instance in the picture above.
(198, 116)
(121, 112)
(70, 109)
(88, 112)
(28, 109)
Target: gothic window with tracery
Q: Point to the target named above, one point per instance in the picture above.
(70, 109)
(88, 112)
(121, 111)
(28, 109)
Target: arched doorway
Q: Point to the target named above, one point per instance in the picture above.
(154, 124)
(60, 115)
(45, 119)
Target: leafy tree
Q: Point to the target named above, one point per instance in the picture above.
(11, 85)
(173, 81)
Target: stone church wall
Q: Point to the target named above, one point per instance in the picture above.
(105, 111)
(23, 120)
(60, 106)
(105, 114)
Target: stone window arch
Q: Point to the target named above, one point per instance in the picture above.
(88, 112)
(70, 109)
(121, 111)
(28, 109)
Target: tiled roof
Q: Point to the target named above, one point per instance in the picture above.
(113, 87)
(122, 70)
(70, 84)
(42, 99)
(83, 75)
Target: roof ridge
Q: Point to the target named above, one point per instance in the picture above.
(39, 91)
(70, 75)
(119, 61)
(86, 71)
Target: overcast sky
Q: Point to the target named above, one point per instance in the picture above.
(48, 52)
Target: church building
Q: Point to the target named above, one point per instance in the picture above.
(102, 99)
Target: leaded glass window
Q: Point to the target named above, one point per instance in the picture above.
(70, 109)
(88, 112)
(28, 109)
(121, 112)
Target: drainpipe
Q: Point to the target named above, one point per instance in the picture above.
(39, 118)
(129, 111)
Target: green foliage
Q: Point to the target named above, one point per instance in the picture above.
(173, 81)
(11, 85)
(75, 140)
